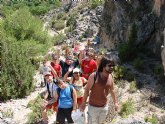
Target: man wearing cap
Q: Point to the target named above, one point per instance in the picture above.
(48, 101)
(88, 65)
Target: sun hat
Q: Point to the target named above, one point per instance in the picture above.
(76, 70)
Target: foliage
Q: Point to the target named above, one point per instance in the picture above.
(58, 25)
(35, 106)
(158, 69)
(129, 75)
(133, 87)
(128, 50)
(138, 63)
(103, 50)
(62, 16)
(39, 10)
(59, 38)
(37, 7)
(7, 113)
(71, 20)
(152, 119)
(95, 3)
(22, 37)
(127, 108)
(69, 29)
(119, 72)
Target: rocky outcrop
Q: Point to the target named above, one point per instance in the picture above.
(163, 53)
(119, 16)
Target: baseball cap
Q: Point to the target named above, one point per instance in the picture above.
(47, 73)
(69, 58)
(76, 70)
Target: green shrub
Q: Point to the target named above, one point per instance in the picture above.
(133, 87)
(7, 113)
(58, 25)
(152, 119)
(138, 63)
(158, 69)
(69, 29)
(35, 106)
(22, 38)
(119, 72)
(59, 38)
(95, 3)
(129, 75)
(127, 108)
(37, 7)
(39, 10)
(71, 20)
(62, 16)
(102, 50)
(128, 51)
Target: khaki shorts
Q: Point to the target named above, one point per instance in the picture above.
(97, 115)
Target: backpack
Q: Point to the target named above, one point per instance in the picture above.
(59, 90)
(49, 96)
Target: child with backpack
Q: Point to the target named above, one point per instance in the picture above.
(67, 101)
(48, 101)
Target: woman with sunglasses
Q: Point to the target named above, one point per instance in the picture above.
(78, 83)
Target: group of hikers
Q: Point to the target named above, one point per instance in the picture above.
(70, 81)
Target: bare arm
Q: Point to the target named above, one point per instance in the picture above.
(74, 99)
(80, 57)
(56, 95)
(89, 85)
(113, 94)
(66, 75)
(54, 72)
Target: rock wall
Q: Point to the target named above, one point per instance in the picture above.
(163, 53)
(148, 15)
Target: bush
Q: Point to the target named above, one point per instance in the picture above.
(58, 25)
(71, 20)
(39, 10)
(138, 64)
(152, 119)
(127, 108)
(37, 7)
(119, 72)
(133, 87)
(95, 3)
(129, 75)
(158, 69)
(22, 38)
(59, 38)
(128, 51)
(35, 106)
(62, 16)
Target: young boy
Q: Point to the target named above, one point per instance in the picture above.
(49, 101)
(67, 102)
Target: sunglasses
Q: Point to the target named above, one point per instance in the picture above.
(75, 72)
(110, 65)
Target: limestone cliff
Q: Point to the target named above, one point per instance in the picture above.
(148, 15)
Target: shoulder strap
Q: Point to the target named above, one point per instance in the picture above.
(95, 77)
(71, 90)
(47, 85)
(58, 92)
